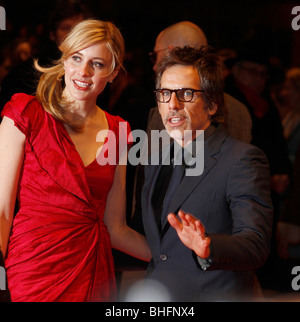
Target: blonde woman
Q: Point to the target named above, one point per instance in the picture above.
(71, 208)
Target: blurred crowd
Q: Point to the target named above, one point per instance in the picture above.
(271, 93)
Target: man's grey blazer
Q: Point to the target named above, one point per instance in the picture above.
(232, 199)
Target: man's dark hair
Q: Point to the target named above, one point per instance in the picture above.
(210, 69)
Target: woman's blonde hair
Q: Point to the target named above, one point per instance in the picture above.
(86, 33)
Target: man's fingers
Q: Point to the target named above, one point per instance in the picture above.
(174, 222)
(183, 218)
(200, 228)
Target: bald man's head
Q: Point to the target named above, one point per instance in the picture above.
(184, 33)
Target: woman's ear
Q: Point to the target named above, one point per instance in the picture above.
(114, 74)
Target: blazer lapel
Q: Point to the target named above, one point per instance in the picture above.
(154, 171)
(211, 147)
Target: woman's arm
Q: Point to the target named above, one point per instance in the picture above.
(123, 237)
(12, 143)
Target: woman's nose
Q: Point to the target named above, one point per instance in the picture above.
(85, 70)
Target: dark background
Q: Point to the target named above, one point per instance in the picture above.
(226, 23)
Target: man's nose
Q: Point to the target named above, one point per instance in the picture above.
(174, 103)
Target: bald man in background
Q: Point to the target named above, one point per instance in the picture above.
(237, 119)
(180, 34)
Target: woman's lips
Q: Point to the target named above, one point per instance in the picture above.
(81, 85)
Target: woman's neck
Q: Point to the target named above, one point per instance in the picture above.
(81, 111)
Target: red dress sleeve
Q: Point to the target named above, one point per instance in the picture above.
(24, 110)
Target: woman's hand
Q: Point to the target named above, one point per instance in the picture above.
(191, 232)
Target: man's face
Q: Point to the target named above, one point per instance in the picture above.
(180, 116)
(64, 28)
(253, 75)
(160, 51)
(159, 54)
(290, 94)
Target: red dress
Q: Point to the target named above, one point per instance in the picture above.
(59, 248)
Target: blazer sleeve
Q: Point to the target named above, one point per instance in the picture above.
(249, 199)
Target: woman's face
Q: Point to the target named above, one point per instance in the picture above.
(290, 95)
(86, 72)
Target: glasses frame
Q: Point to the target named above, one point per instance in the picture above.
(176, 92)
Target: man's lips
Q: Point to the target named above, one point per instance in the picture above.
(176, 120)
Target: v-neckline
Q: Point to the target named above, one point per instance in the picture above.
(74, 146)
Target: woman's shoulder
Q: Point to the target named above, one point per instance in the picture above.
(22, 97)
(114, 118)
(25, 110)
(117, 123)
(24, 103)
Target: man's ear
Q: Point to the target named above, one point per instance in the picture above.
(213, 109)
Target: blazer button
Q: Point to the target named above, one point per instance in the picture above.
(163, 257)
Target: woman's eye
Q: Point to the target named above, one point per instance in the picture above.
(76, 58)
(98, 65)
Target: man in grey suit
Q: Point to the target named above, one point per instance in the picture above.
(207, 232)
